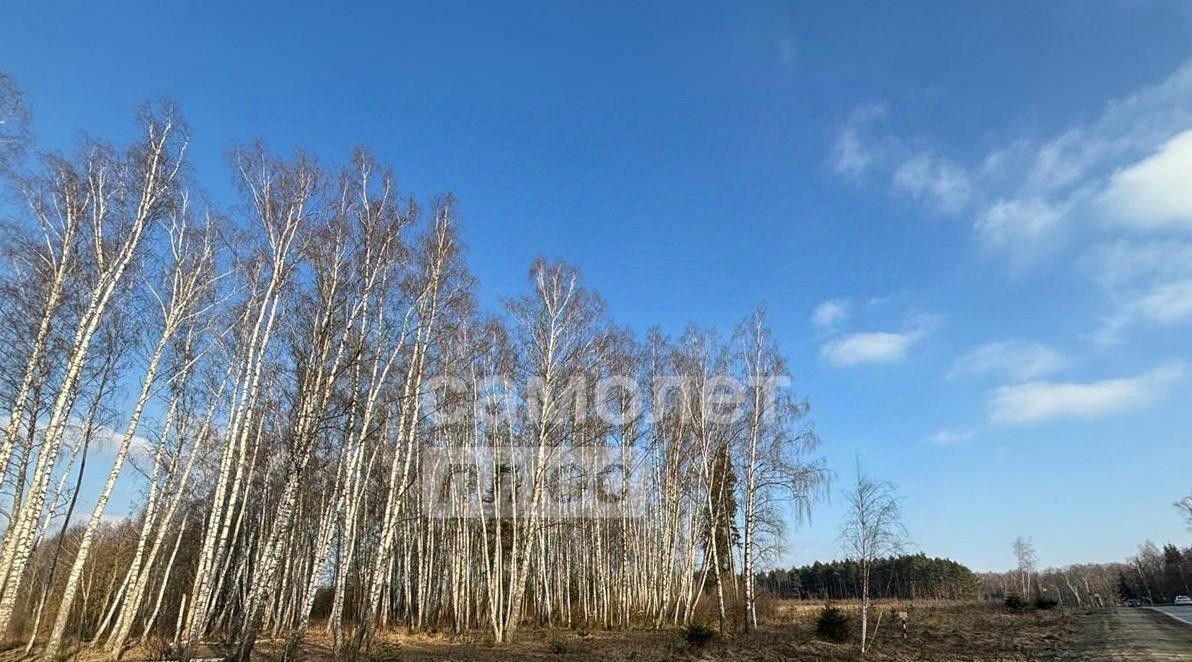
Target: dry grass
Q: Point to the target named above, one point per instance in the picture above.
(974, 632)
(936, 631)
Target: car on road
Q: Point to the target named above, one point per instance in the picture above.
(1182, 600)
(1133, 603)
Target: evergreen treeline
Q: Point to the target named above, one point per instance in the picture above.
(908, 577)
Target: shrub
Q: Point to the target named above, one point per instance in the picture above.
(1015, 603)
(832, 624)
(556, 647)
(1045, 603)
(698, 634)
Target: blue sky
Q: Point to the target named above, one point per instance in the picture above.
(971, 222)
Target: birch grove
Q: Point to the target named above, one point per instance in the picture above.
(307, 425)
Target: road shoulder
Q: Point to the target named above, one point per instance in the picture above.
(1131, 634)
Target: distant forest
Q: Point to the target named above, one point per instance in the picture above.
(908, 577)
(1156, 574)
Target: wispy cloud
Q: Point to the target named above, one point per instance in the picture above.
(950, 436)
(1147, 281)
(862, 144)
(1163, 303)
(1036, 402)
(1123, 265)
(856, 146)
(1122, 176)
(1130, 163)
(1016, 360)
(877, 346)
(934, 181)
(1019, 224)
(1167, 303)
(1049, 182)
(830, 313)
(106, 440)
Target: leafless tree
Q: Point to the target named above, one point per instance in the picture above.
(119, 199)
(872, 530)
(14, 122)
(1027, 560)
(1184, 506)
(775, 458)
(277, 380)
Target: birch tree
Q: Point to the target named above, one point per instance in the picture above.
(1026, 558)
(872, 530)
(126, 197)
(187, 282)
(302, 362)
(776, 459)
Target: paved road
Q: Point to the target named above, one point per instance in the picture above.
(1181, 613)
(1159, 634)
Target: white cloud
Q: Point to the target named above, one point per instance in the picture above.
(1127, 129)
(830, 313)
(867, 347)
(1035, 402)
(1018, 224)
(934, 181)
(106, 440)
(1124, 175)
(855, 149)
(1155, 192)
(876, 346)
(1146, 281)
(1124, 265)
(110, 519)
(1130, 162)
(949, 436)
(1016, 360)
(1039, 186)
(1167, 303)
(929, 179)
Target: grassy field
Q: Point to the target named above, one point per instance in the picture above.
(935, 631)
